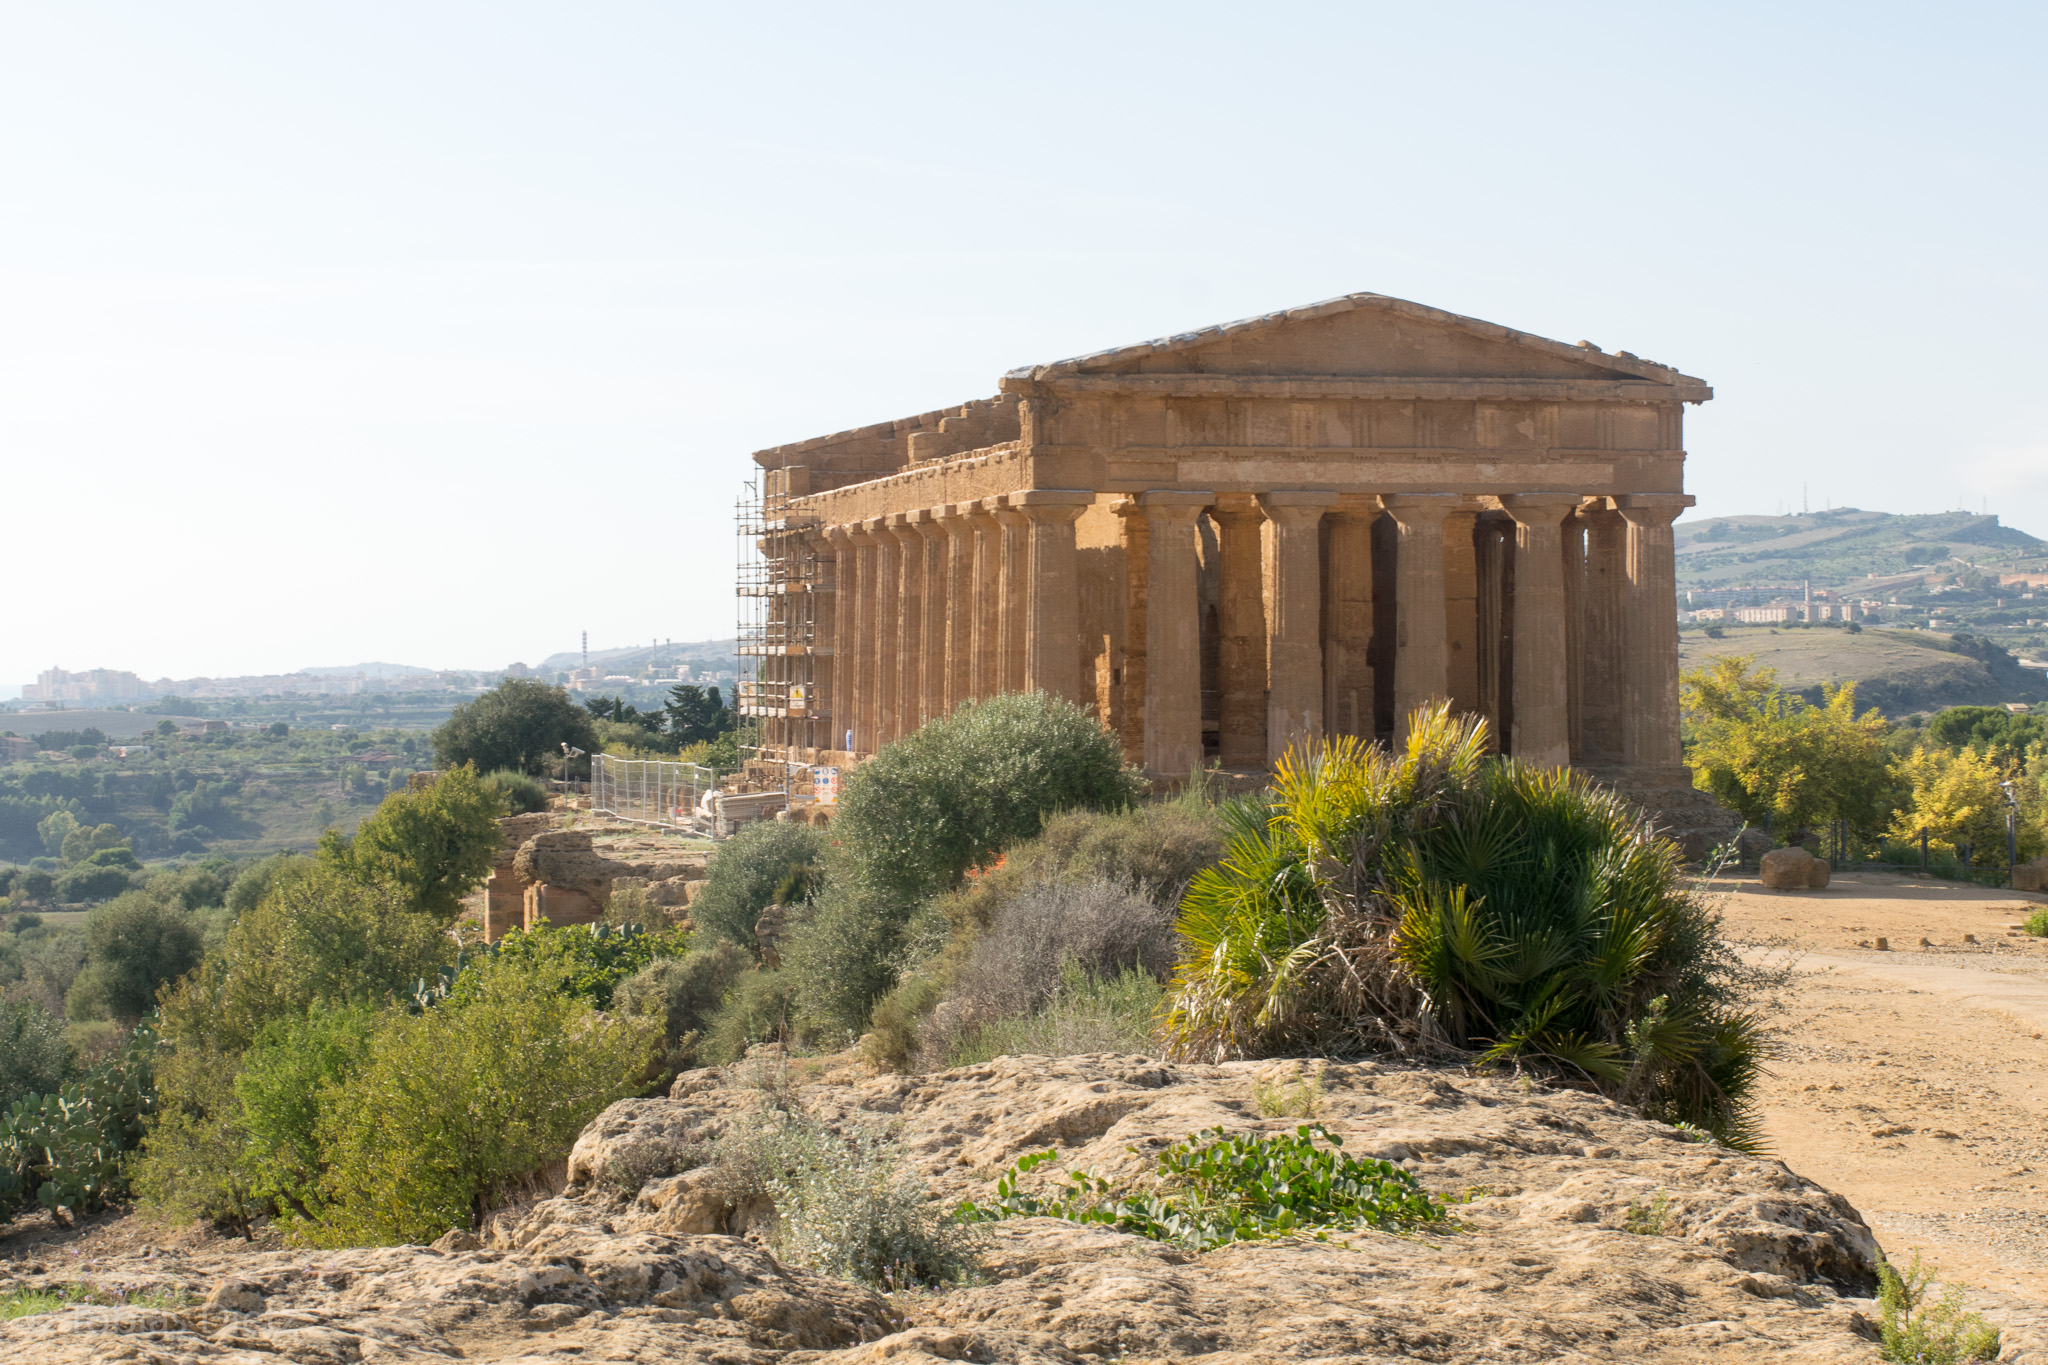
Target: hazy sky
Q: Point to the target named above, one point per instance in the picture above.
(438, 332)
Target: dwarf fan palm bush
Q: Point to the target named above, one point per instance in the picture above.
(1441, 902)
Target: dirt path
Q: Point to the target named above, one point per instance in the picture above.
(1915, 1081)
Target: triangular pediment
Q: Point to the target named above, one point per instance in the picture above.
(1364, 336)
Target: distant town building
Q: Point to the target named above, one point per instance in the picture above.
(15, 749)
(99, 684)
(1771, 615)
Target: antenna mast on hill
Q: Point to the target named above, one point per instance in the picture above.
(586, 649)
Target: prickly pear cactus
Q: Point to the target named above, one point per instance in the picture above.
(69, 1149)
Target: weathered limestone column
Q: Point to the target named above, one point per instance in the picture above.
(988, 599)
(1011, 604)
(1132, 681)
(1347, 613)
(1173, 635)
(1575, 632)
(960, 604)
(1294, 688)
(1650, 701)
(862, 644)
(1420, 657)
(1601, 647)
(909, 674)
(888, 595)
(1542, 730)
(816, 726)
(931, 702)
(1052, 590)
(1241, 628)
(843, 699)
(1461, 609)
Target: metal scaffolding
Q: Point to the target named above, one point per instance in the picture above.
(784, 593)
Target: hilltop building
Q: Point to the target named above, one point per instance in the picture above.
(1233, 539)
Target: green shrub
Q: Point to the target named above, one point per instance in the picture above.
(136, 942)
(960, 789)
(89, 883)
(682, 993)
(763, 861)
(843, 956)
(587, 960)
(1217, 1187)
(454, 1105)
(283, 1081)
(2037, 924)
(758, 1009)
(845, 1203)
(522, 795)
(1940, 1333)
(1082, 1013)
(33, 1057)
(1440, 901)
(253, 882)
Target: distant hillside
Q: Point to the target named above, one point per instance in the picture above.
(1847, 544)
(710, 655)
(1897, 671)
(373, 670)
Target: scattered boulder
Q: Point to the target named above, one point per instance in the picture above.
(457, 1239)
(2031, 875)
(1793, 869)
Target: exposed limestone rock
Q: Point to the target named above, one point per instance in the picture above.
(2031, 875)
(1793, 869)
(1756, 1262)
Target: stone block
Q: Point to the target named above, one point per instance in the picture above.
(1794, 869)
(2031, 876)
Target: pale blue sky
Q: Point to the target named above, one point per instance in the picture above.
(440, 332)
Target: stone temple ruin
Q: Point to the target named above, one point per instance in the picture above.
(1230, 540)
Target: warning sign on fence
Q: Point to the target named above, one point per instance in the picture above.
(825, 786)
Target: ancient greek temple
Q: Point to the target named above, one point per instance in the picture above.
(1231, 540)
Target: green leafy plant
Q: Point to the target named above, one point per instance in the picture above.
(521, 793)
(1218, 1187)
(1654, 1217)
(845, 1202)
(1288, 1099)
(1443, 903)
(1911, 1329)
(69, 1148)
(2037, 924)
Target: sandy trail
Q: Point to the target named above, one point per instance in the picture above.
(1915, 1081)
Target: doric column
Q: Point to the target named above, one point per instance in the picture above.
(1601, 680)
(1129, 717)
(888, 595)
(842, 698)
(1241, 631)
(1542, 730)
(862, 645)
(1347, 614)
(1173, 634)
(1052, 590)
(817, 724)
(1294, 686)
(1575, 631)
(988, 599)
(1421, 675)
(1461, 608)
(1011, 603)
(932, 640)
(1650, 703)
(909, 672)
(959, 529)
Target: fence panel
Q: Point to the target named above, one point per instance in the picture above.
(648, 791)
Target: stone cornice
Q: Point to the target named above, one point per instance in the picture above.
(1347, 386)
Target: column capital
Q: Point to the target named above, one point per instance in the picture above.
(1421, 509)
(1653, 509)
(1050, 514)
(865, 533)
(1237, 507)
(1539, 509)
(1295, 509)
(839, 535)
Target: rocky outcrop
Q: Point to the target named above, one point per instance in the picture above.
(1582, 1232)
